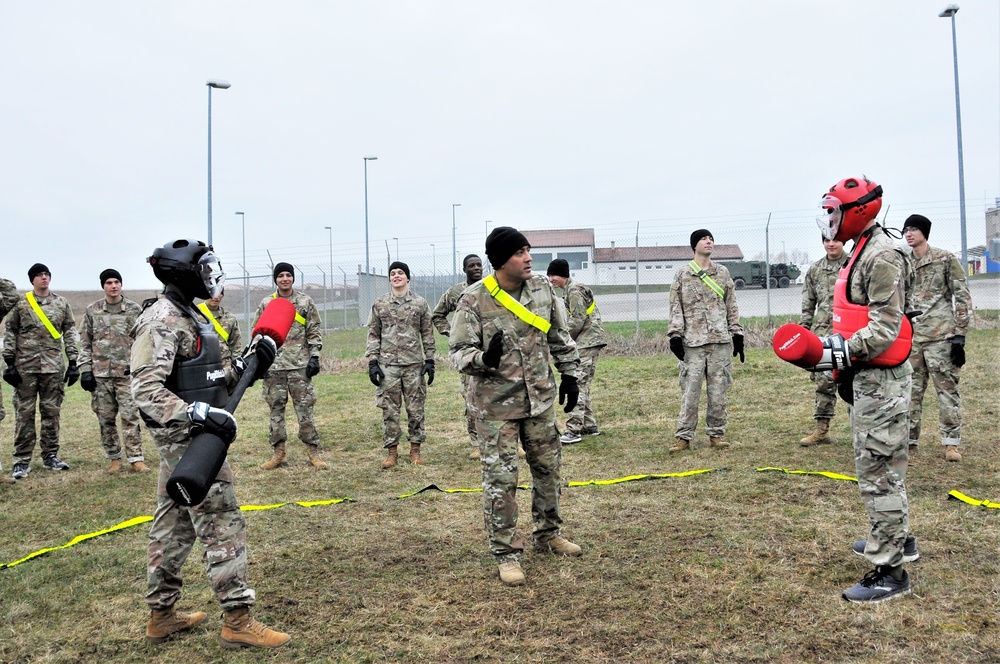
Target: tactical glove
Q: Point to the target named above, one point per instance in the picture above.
(429, 370)
(958, 351)
(677, 347)
(88, 382)
(264, 349)
(72, 373)
(312, 368)
(569, 392)
(493, 353)
(845, 385)
(738, 347)
(375, 373)
(11, 376)
(206, 419)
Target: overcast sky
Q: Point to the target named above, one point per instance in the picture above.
(538, 114)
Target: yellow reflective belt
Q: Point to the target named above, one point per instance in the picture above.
(215, 323)
(958, 495)
(709, 281)
(515, 307)
(590, 309)
(823, 473)
(42, 317)
(298, 317)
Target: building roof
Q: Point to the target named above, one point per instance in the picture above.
(570, 237)
(722, 252)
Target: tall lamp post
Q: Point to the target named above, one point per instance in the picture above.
(330, 228)
(434, 269)
(368, 270)
(344, 301)
(246, 275)
(949, 12)
(397, 247)
(454, 247)
(221, 85)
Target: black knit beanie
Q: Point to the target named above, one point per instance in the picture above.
(502, 243)
(283, 267)
(400, 265)
(920, 222)
(110, 273)
(698, 234)
(558, 268)
(37, 269)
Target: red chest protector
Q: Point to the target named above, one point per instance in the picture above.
(848, 318)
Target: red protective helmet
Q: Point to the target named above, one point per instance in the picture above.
(848, 207)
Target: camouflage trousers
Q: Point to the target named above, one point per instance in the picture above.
(878, 426)
(470, 422)
(826, 395)
(713, 364)
(933, 360)
(402, 383)
(540, 439)
(278, 386)
(48, 391)
(582, 418)
(217, 523)
(111, 398)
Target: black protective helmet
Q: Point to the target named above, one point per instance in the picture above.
(191, 266)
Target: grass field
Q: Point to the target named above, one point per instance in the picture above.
(732, 565)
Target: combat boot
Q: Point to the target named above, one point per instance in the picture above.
(474, 454)
(511, 573)
(520, 451)
(415, 455)
(821, 436)
(6, 480)
(139, 467)
(277, 460)
(115, 467)
(164, 623)
(560, 546)
(313, 452)
(680, 445)
(719, 443)
(242, 631)
(951, 453)
(391, 458)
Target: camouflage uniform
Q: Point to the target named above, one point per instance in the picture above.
(287, 376)
(162, 335)
(232, 340)
(515, 400)
(587, 331)
(400, 337)
(706, 324)
(817, 315)
(105, 346)
(942, 294)
(38, 357)
(8, 298)
(447, 304)
(879, 279)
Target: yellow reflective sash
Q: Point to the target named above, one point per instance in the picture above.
(958, 495)
(590, 309)
(298, 317)
(221, 331)
(42, 317)
(709, 281)
(515, 307)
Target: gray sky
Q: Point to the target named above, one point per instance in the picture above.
(531, 114)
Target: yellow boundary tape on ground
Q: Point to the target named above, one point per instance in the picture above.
(823, 473)
(135, 521)
(958, 495)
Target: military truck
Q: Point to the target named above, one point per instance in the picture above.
(754, 273)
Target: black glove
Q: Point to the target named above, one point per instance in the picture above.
(312, 368)
(835, 354)
(958, 351)
(11, 376)
(492, 355)
(569, 392)
(738, 347)
(88, 382)
(429, 370)
(206, 419)
(677, 347)
(264, 349)
(72, 373)
(375, 373)
(845, 385)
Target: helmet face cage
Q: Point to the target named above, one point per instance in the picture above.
(191, 266)
(830, 216)
(211, 273)
(850, 205)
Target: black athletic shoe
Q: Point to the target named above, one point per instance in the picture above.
(910, 552)
(21, 471)
(877, 586)
(55, 463)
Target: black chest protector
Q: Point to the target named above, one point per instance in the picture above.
(201, 377)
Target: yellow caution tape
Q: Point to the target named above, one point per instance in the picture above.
(823, 473)
(958, 495)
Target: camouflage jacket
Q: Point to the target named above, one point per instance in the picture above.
(303, 341)
(817, 294)
(447, 304)
(523, 385)
(8, 296)
(697, 314)
(233, 346)
(27, 344)
(940, 291)
(587, 330)
(880, 279)
(105, 344)
(163, 334)
(400, 331)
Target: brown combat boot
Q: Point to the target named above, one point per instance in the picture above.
(474, 454)
(164, 623)
(719, 443)
(520, 452)
(391, 458)
(680, 445)
(415, 455)
(511, 573)
(242, 631)
(560, 546)
(277, 460)
(821, 436)
(115, 467)
(139, 467)
(313, 452)
(951, 453)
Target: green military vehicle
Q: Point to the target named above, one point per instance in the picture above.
(754, 273)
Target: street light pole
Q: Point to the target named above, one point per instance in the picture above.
(368, 271)
(454, 247)
(397, 247)
(221, 85)
(949, 12)
(434, 269)
(344, 301)
(330, 228)
(246, 275)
